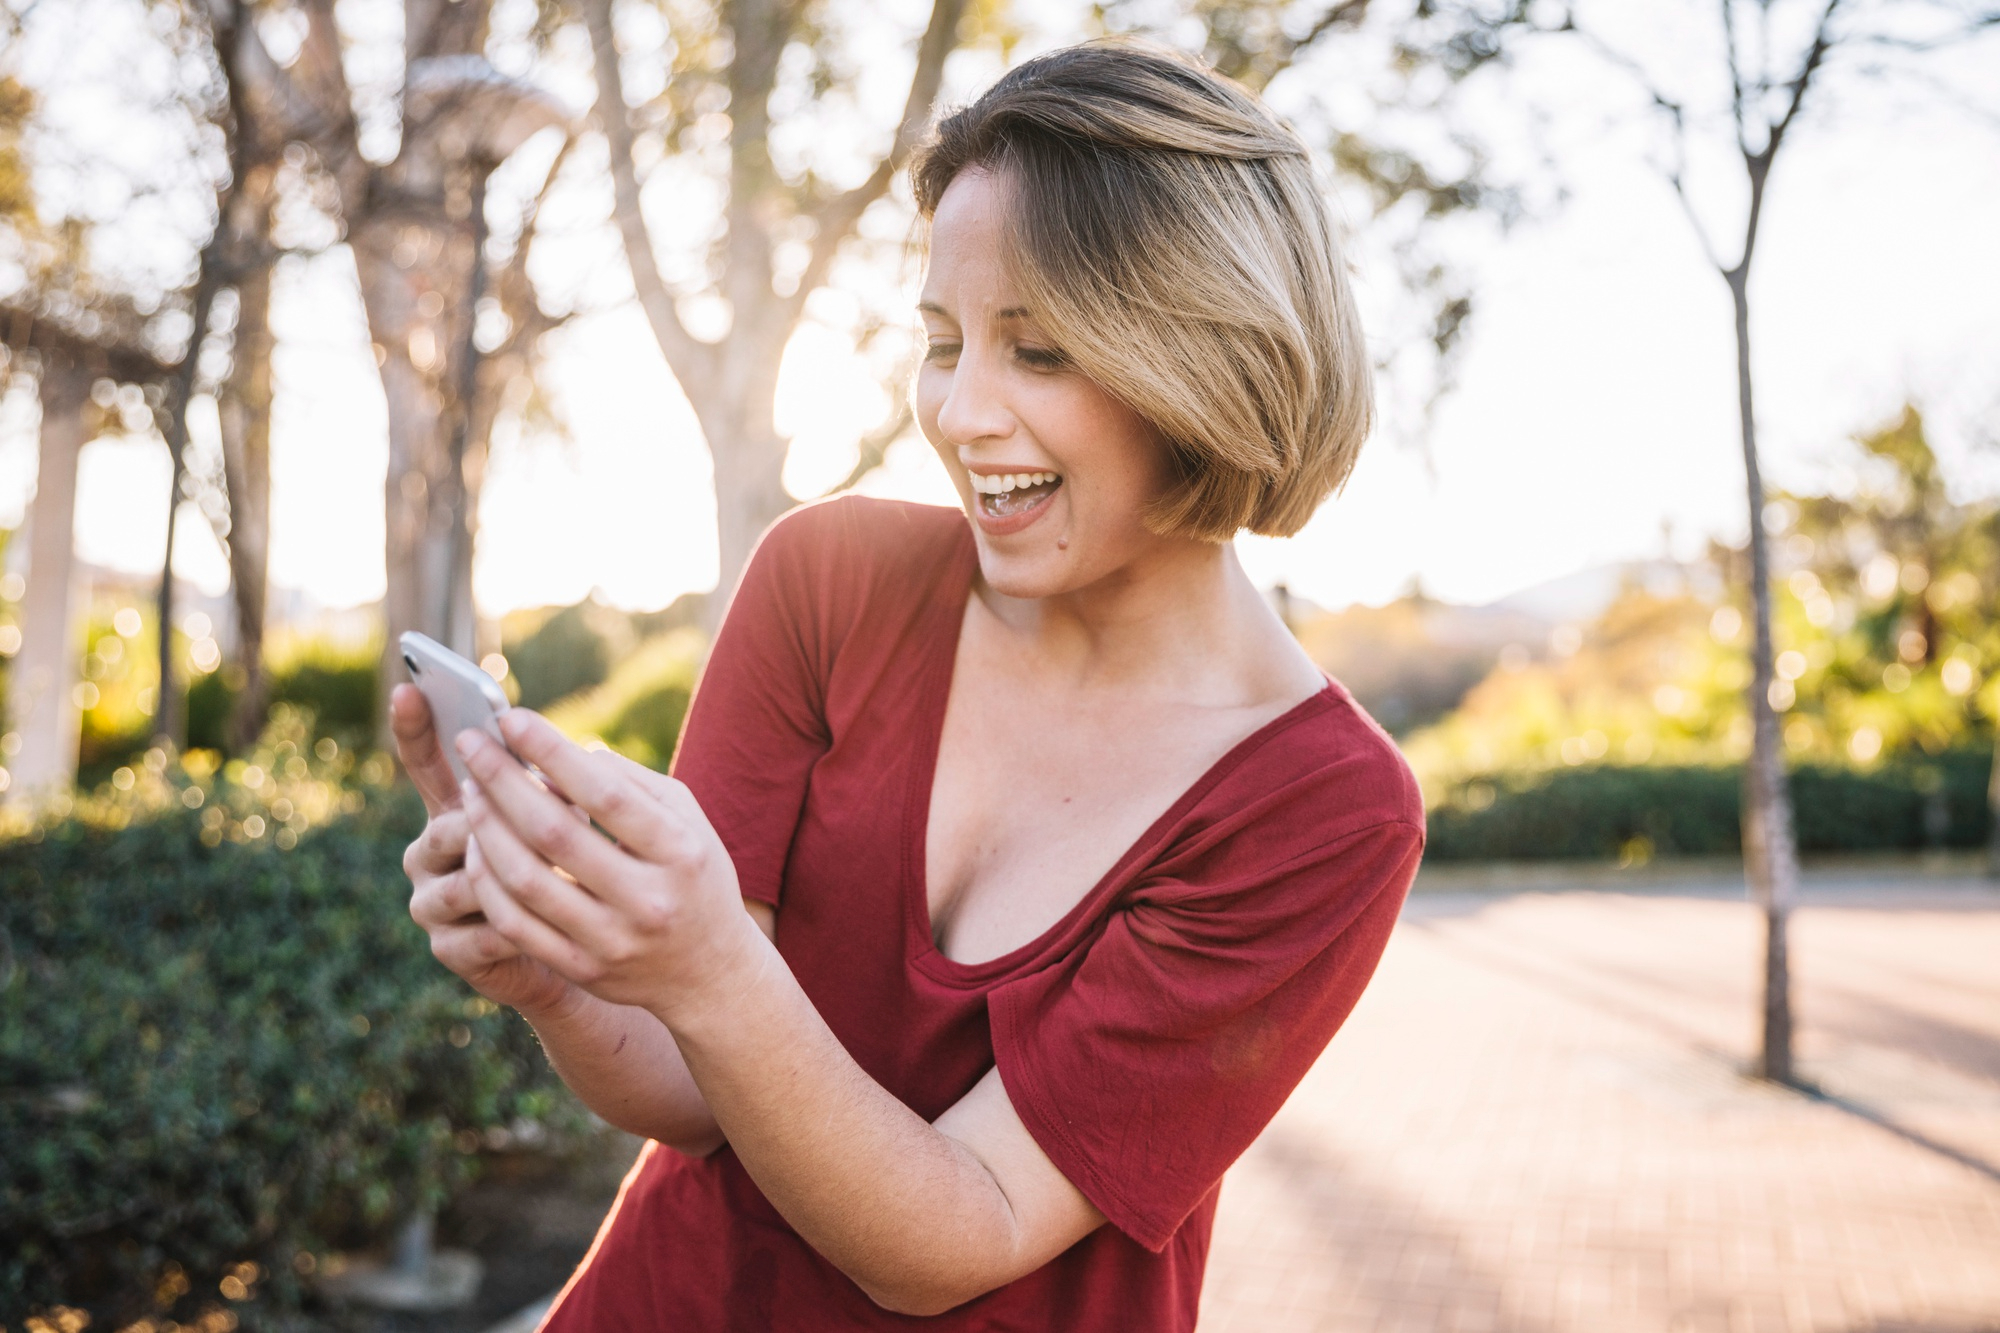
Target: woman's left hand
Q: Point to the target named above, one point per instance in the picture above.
(653, 919)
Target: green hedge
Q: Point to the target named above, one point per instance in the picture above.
(223, 1042)
(1616, 811)
(339, 691)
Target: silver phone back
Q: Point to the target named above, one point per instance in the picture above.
(461, 696)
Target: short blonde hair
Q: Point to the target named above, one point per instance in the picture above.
(1170, 237)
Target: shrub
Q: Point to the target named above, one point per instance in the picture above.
(1666, 810)
(639, 710)
(224, 1043)
(571, 650)
(335, 684)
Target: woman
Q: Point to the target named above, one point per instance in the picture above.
(1061, 861)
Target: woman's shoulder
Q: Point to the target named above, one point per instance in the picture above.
(1352, 753)
(862, 539)
(1323, 773)
(854, 564)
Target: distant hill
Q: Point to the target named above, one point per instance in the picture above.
(1411, 661)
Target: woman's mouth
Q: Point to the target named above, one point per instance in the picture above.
(1013, 494)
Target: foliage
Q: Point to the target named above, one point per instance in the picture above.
(638, 711)
(569, 650)
(1659, 677)
(224, 1046)
(1412, 661)
(17, 197)
(1884, 630)
(1635, 813)
(1891, 604)
(332, 680)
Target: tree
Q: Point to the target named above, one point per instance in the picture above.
(416, 225)
(785, 225)
(241, 257)
(95, 350)
(729, 56)
(1406, 154)
(1776, 58)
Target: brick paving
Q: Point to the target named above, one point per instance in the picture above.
(1536, 1121)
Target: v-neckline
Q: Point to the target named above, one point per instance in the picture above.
(934, 699)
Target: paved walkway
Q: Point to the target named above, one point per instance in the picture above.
(1535, 1122)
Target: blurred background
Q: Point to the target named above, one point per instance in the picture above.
(324, 321)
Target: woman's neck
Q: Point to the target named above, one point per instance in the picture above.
(1182, 621)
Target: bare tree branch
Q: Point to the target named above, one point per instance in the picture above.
(335, 140)
(1736, 98)
(1925, 45)
(692, 361)
(1758, 164)
(1676, 114)
(1815, 55)
(1346, 14)
(875, 445)
(838, 216)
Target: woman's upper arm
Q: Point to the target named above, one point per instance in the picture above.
(757, 726)
(1147, 1062)
(1047, 1213)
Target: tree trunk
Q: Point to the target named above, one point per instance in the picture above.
(748, 454)
(462, 473)
(246, 465)
(43, 711)
(392, 259)
(1770, 850)
(416, 279)
(732, 385)
(167, 700)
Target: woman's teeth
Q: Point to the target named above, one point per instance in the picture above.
(1011, 481)
(1013, 492)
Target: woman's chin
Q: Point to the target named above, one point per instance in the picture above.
(1026, 574)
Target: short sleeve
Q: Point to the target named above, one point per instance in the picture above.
(1145, 1062)
(756, 725)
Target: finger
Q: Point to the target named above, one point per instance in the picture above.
(539, 818)
(651, 780)
(440, 848)
(522, 928)
(604, 787)
(471, 948)
(446, 900)
(533, 882)
(417, 746)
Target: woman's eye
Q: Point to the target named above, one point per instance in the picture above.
(1041, 358)
(938, 352)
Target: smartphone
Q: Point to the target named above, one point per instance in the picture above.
(461, 696)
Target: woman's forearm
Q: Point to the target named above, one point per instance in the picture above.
(622, 1063)
(916, 1214)
(905, 1210)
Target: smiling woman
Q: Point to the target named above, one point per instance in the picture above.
(1016, 863)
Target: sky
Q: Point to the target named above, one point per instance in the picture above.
(1594, 420)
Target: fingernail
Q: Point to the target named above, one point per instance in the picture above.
(467, 742)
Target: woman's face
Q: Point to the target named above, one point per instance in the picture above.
(1055, 473)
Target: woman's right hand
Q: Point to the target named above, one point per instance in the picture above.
(443, 902)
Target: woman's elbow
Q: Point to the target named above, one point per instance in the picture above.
(700, 1143)
(915, 1298)
(690, 1138)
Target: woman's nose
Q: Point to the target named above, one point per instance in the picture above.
(974, 407)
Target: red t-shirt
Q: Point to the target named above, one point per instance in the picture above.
(1145, 1038)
